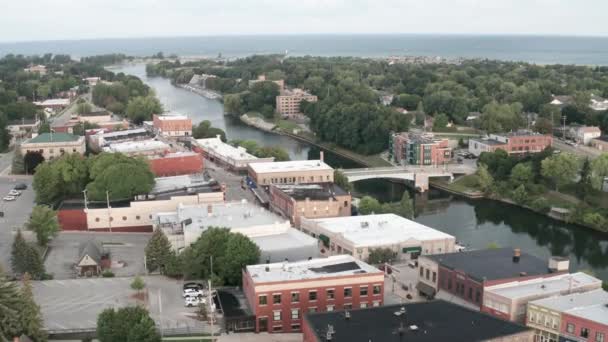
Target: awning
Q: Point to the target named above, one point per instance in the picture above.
(426, 289)
(325, 239)
(412, 249)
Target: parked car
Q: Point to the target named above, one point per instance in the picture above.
(9, 198)
(20, 186)
(190, 301)
(193, 285)
(192, 293)
(14, 193)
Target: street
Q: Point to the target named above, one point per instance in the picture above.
(579, 150)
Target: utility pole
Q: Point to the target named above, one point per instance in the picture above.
(210, 299)
(564, 127)
(109, 210)
(160, 313)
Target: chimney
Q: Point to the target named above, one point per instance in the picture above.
(558, 264)
(516, 255)
(321, 155)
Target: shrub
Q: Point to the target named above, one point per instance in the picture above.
(107, 274)
(540, 204)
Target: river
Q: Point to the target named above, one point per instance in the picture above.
(475, 223)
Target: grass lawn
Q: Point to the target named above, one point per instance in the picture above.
(287, 125)
(464, 184)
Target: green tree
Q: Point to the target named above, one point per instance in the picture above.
(585, 182)
(11, 305)
(31, 317)
(25, 258)
(204, 130)
(130, 324)
(45, 127)
(83, 108)
(560, 168)
(369, 205)
(18, 166)
(138, 284)
(141, 108)
(599, 171)
(158, 251)
(240, 252)
(379, 256)
(43, 221)
(497, 117)
(122, 176)
(406, 206)
(440, 123)
(522, 174)
(233, 104)
(342, 181)
(485, 179)
(520, 194)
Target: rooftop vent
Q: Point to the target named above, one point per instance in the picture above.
(413, 328)
(400, 312)
(364, 224)
(347, 315)
(516, 254)
(267, 269)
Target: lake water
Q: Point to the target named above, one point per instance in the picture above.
(474, 223)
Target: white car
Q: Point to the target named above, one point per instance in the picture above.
(9, 198)
(193, 293)
(192, 301)
(14, 193)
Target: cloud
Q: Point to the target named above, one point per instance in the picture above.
(71, 19)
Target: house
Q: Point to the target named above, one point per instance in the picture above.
(584, 134)
(412, 322)
(40, 69)
(562, 100)
(90, 259)
(598, 103)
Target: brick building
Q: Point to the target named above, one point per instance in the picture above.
(175, 164)
(573, 317)
(54, 145)
(412, 322)
(291, 172)
(310, 201)
(281, 293)
(515, 143)
(226, 155)
(465, 275)
(288, 102)
(172, 125)
(418, 149)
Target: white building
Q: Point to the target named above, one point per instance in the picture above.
(235, 158)
(140, 148)
(584, 134)
(358, 235)
(273, 234)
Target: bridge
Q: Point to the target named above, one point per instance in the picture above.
(418, 174)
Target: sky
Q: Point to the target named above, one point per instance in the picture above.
(27, 20)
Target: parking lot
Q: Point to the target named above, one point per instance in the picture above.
(75, 304)
(16, 213)
(123, 247)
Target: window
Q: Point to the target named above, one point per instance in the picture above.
(570, 328)
(428, 274)
(331, 294)
(276, 299)
(363, 290)
(276, 315)
(277, 328)
(137, 217)
(124, 218)
(348, 292)
(377, 289)
(376, 303)
(435, 273)
(348, 306)
(421, 271)
(532, 317)
(262, 300)
(312, 295)
(363, 305)
(295, 297)
(295, 327)
(477, 296)
(599, 337)
(295, 314)
(584, 333)
(312, 310)
(330, 308)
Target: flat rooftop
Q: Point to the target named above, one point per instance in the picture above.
(489, 141)
(334, 266)
(172, 116)
(175, 155)
(592, 305)
(281, 239)
(53, 138)
(53, 102)
(544, 286)
(422, 322)
(225, 150)
(174, 183)
(378, 230)
(290, 166)
(492, 264)
(230, 214)
(124, 133)
(136, 146)
(315, 192)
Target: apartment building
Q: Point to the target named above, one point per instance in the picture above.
(515, 143)
(291, 172)
(418, 149)
(288, 102)
(310, 201)
(280, 294)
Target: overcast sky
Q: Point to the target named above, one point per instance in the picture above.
(76, 19)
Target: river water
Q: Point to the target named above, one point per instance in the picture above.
(474, 223)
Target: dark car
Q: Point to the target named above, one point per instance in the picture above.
(20, 186)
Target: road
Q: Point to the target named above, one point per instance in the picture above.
(583, 151)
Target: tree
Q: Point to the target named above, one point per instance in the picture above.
(11, 304)
(31, 317)
(141, 108)
(585, 182)
(379, 256)
(440, 123)
(240, 252)
(138, 284)
(158, 251)
(544, 126)
(520, 195)
(204, 130)
(83, 108)
(342, 181)
(497, 117)
(18, 166)
(560, 168)
(130, 324)
(43, 221)
(233, 104)
(522, 174)
(599, 171)
(406, 206)
(25, 258)
(121, 176)
(369, 205)
(407, 101)
(66, 176)
(45, 127)
(485, 179)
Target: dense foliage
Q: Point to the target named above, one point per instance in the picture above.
(252, 147)
(405, 208)
(204, 130)
(19, 314)
(124, 91)
(130, 324)
(158, 252)
(43, 222)
(25, 258)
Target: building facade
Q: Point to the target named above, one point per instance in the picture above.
(514, 143)
(54, 145)
(226, 155)
(310, 201)
(173, 125)
(359, 235)
(291, 172)
(418, 149)
(280, 294)
(175, 164)
(288, 102)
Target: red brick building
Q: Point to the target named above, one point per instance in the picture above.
(280, 294)
(172, 125)
(517, 143)
(175, 164)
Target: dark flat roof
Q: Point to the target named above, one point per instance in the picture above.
(492, 264)
(315, 192)
(435, 321)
